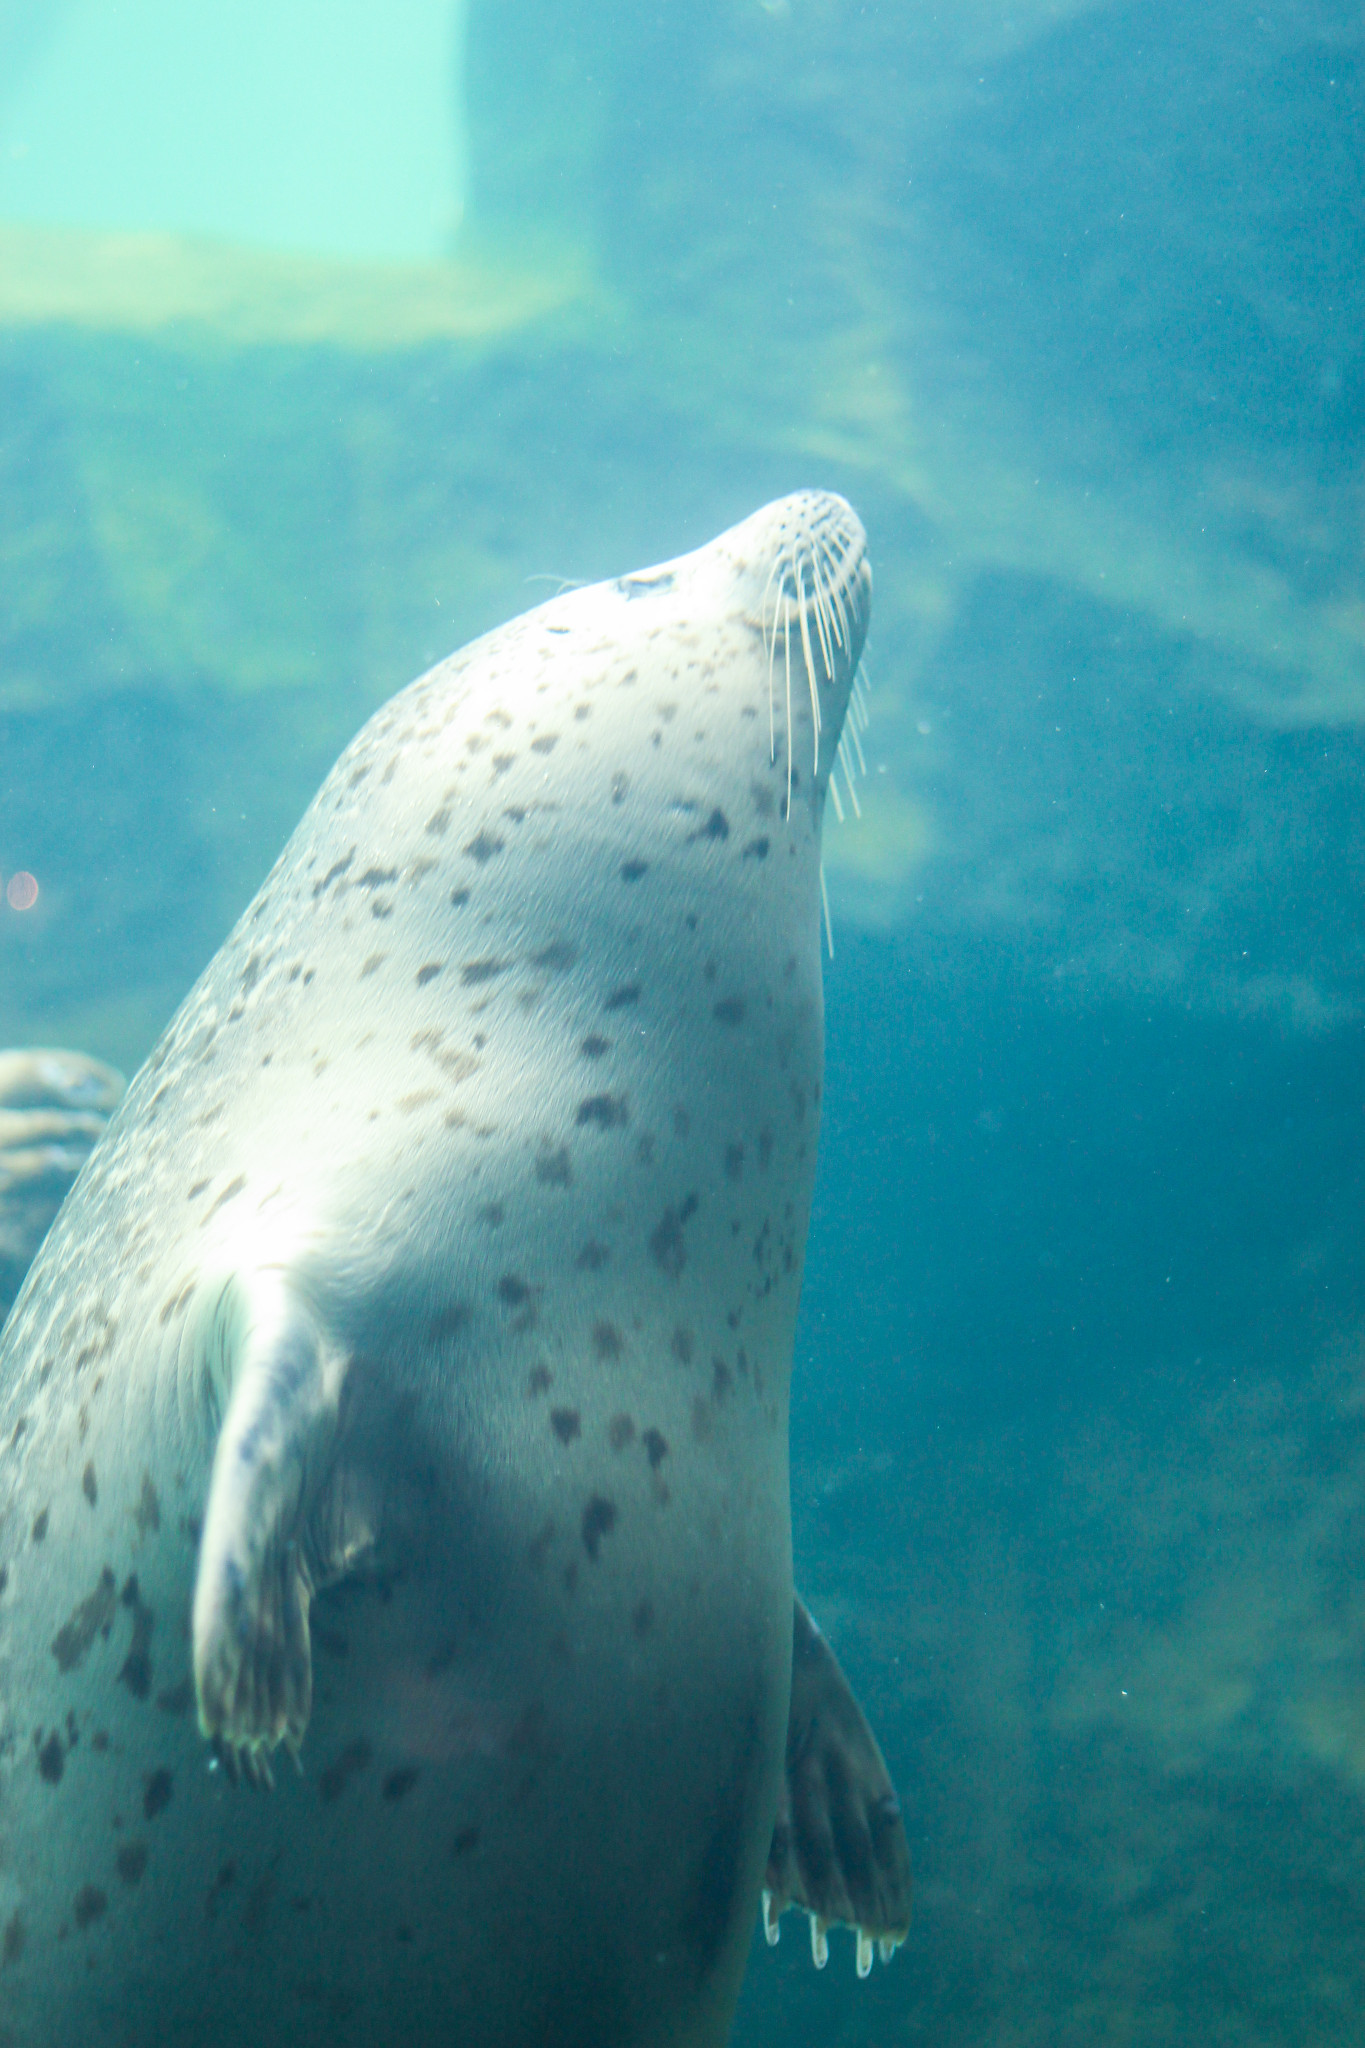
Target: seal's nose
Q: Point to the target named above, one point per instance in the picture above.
(807, 556)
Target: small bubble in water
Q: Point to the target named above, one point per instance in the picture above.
(22, 892)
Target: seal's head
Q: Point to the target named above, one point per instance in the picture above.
(797, 573)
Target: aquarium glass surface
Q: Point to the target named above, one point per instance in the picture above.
(333, 335)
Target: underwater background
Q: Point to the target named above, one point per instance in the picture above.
(333, 335)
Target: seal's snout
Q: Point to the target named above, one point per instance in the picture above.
(817, 561)
(813, 584)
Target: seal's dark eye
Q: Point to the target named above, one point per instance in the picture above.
(644, 586)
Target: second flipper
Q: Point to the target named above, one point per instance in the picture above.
(839, 1849)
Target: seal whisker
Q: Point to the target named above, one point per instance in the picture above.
(829, 922)
(810, 660)
(831, 593)
(787, 650)
(822, 621)
(846, 764)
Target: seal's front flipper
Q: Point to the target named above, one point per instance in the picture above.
(280, 1522)
(839, 1848)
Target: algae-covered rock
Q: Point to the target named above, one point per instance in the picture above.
(53, 1110)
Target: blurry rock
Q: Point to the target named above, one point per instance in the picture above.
(53, 1108)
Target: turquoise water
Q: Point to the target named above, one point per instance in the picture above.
(330, 338)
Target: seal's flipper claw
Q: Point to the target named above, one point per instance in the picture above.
(259, 1557)
(838, 1848)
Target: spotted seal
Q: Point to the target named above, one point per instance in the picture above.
(404, 1384)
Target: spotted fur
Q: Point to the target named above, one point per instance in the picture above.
(405, 1381)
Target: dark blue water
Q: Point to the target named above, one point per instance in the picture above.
(1069, 300)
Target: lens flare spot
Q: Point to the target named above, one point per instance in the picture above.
(22, 892)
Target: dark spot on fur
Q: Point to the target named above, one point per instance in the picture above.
(343, 1768)
(51, 1759)
(40, 1525)
(717, 826)
(147, 1513)
(492, 1214)
(136, 1673)
(607, 1341)
(721, 1379)
(666, 1241)
(467, 1840)
(12, 1946)
(599, 1519)
(88, 1485)
(94, 1616)
(566, 1424)
(399, 1783)
(729, 1010)
(622, 998)
(178, 1699)
(540, 1380)
(631, 870)
(483, 847)
(475, 971)
(131, 1861)
(683, 1345)
(734, 1162)
(593, 1048)
(621, 1433)
(757, 849)
(642, 1620)
(701, 1421)
(458, 898)
(552, 1166)
(377, 878)
(512, 1291)
(157, 1787)
(223, 1882)
(557, 958)
(656, 1445)
(90, 1905)
(230, 1193)
(197, 1190)
(337, 868)
(607, 1112)
(429, 972)
(593, 1257)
